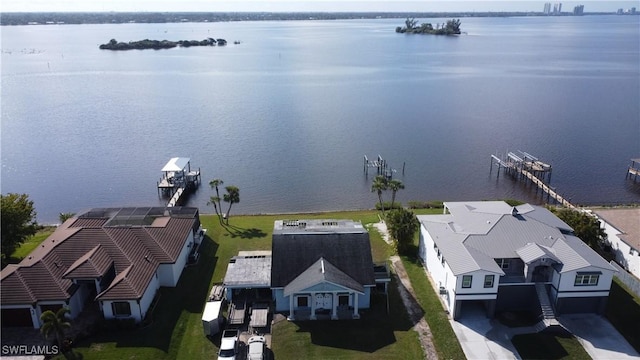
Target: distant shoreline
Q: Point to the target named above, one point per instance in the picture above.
(67, 18)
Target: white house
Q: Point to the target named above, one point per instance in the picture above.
(622, 226)
(321, 268)
(117, 257)
(494, 254)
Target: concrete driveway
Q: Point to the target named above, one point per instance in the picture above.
(483, 338)
(598, 337)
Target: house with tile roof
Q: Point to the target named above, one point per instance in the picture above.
(506, 258)
(321, 268)
(622, 226)
(116, 257)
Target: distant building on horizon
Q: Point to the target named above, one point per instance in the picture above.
(578, 10)
(547, 8)
(557, 8)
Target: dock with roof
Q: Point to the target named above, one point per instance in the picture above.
(178, 179)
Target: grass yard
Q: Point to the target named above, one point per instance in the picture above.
(175, 329)
(549, 344)
(31, 243)
(623, 311)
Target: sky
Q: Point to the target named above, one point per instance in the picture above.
(299, 5)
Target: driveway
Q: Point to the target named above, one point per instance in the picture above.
(483, 338)
(598, 337)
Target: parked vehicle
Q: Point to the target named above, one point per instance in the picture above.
(228, 345)
(257, 348)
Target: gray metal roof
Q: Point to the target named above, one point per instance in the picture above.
(532, 252)
(249, 270)
(309, 226)
(319, 272)
(475, 232)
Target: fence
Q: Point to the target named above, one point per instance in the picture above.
(629, 280)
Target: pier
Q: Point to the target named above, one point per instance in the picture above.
(634, 169)
(177, 180)
(381, 165)
(526, 167)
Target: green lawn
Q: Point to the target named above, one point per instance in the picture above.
(623, 311)
(549, 344)
(31, 243)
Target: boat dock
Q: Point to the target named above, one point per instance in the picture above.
(526, 167)
(381, 165)
(634, 169)
(177, 180)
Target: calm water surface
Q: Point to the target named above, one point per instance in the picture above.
(288, 114)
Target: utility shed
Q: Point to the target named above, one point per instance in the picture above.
(212, 317)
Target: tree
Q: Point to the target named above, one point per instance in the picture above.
(410, 23)
(232, 197)
(394, 186)
(585, 226)
(65, 216)
(402, 225)
(453, 26)
(215, 200)
(18, 217)
(379, 185)
(55, 324)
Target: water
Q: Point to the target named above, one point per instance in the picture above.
(288, 114)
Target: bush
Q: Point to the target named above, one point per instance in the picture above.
(387, 205)
(434, 204)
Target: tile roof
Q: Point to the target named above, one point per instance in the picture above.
(476, 231)
(294, 252)
(88, 246)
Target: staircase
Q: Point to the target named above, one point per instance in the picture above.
(548, 315)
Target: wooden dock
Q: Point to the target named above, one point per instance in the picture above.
(178, 180)
(526, 167)
(634, 169)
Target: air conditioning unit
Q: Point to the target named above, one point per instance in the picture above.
(443, 291)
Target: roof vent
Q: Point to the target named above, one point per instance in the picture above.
(514, 211)
(147, 258)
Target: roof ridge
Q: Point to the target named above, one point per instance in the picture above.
(25, 285)
(82, 260)
(158, 243)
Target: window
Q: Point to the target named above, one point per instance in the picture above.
(121, 308)
(303, 301)
(503, 263)
(488, 281)
(466, 281)
(442, 261)
(587, 279)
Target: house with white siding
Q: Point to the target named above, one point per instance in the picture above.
(116, 257)
(622, 226)
(507, 258)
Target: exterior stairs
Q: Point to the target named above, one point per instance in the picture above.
(548, 315)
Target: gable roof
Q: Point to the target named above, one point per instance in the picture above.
(319, 272)
(346, 247)
(90, 244)
(474, 232)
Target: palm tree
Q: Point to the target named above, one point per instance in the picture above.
(215, 200)
(64, 216)
(55, 323)
(379, 185)
(232, 197)
(394, 186)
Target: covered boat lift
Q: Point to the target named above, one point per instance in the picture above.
(177, 177)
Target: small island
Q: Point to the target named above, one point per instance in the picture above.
(113, 44)
(451, 27)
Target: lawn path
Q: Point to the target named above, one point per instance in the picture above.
(415, 311)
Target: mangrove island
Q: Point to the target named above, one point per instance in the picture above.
(451, 27)
(113, 44)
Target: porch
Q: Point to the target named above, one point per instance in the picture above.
(304, 314)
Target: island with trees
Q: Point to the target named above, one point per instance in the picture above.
(451, 27)
(113, 44)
